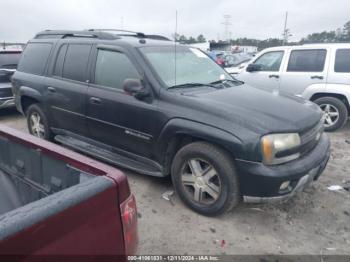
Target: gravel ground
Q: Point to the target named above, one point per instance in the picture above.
(316, 221)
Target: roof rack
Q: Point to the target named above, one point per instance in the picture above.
(60, 34)
(130, 33)
(105, 34)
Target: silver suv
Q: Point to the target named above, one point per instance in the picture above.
(317, 72)
(9, 58)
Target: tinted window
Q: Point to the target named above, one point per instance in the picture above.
(112, 68)
(270, 61)
(34, 58)
(342, 61)
(9, 60)
(76, 61)
(60, 60)
(307, 61)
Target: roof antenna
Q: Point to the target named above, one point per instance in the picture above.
(175, 42)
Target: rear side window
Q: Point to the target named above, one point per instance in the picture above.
(60, 60)
(76, 62)
(34, 58)
(9, 60)
(112, 68)
(307, 60)
(342, 61)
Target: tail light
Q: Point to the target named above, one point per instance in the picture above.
(219, 61)
(129, 218)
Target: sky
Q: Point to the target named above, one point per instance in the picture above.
(260, 19)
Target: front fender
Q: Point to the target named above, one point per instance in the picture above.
(179, 126)
(29, 92)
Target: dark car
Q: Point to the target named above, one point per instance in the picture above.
(160, 109)
(8, 63)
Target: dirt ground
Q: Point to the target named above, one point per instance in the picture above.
(315, 222)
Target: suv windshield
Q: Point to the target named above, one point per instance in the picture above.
(192, 66)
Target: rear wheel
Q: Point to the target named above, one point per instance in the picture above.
(37, 123)
(205, 179)
(335, 111)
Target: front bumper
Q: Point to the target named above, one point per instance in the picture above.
(260, 183)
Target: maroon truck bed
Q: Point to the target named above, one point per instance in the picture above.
(58, 202)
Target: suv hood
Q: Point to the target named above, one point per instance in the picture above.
(258, 110)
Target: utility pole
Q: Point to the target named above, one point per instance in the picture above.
(286, 32)
(227, 23)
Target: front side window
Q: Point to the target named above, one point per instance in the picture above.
(342, 61)
(307, 60)
(112, 68)
(270, 61)
(76, 62)
(183, 65)
(34, 58)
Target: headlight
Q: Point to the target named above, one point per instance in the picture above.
(271, 145)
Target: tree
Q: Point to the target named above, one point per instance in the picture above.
(182, 39)
(191, 40)
(201, 39)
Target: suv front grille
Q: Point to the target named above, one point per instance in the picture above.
(310, 138)
(6, 92)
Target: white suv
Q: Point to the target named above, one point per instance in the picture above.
(318, 72)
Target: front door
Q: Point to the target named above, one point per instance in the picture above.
(115, 117)
(268, 78)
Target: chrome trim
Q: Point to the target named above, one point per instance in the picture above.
(7, 103)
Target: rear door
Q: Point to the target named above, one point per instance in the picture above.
(305, 67)
(269, 77)
(67, 88)
(115, 117)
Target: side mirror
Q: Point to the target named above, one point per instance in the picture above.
(134, 87)
(254, 68)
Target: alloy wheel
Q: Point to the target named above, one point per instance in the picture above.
(201, 181)
(36, 125)
(331, 114)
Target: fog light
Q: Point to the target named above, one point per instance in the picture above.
(284, 186)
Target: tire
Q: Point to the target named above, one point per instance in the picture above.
(34, 111)
(187, 183)
(335, 106)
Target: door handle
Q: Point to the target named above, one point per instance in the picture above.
(51, 89)
(274, 76)
(95, 100)
(317, 77)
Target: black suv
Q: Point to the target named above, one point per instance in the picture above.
(146, 104)
(9, 58)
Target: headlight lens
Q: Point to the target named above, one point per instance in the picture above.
(276, 143)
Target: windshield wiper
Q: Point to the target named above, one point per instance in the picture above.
(234, 81)
(190, 85)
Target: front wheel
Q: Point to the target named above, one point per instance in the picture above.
(205, 179)
(37, 123)
(335, 112)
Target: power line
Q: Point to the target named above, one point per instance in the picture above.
(286, 32)
(227, 23)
